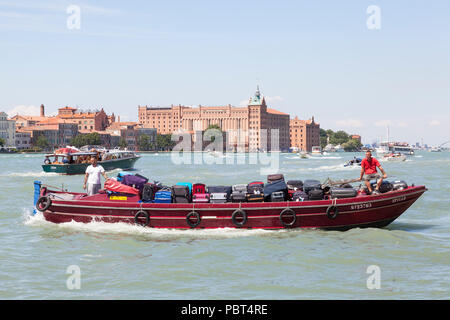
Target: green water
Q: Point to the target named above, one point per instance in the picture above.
(118, 261)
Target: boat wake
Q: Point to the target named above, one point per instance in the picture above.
(29, 174)
(143, 233)
(337, 167)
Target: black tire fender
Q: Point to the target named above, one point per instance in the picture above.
(45, 201)
(196, 216)
(285, 213)
(144, 215)
(236, 214)
(332, 212)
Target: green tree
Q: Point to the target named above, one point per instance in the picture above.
(352, 145)
(144, 143)
(339, 137)
(164, 142)
(123, 143)
(42, 142)
(2, 142)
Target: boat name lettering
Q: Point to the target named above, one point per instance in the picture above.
(361, 206)
(398, 199)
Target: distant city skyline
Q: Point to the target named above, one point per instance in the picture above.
(309, 58)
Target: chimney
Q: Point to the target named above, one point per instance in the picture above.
(118, 118)
(42, 111)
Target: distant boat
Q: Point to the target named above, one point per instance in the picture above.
(394, 157)
(316, 150)
(73, 161)
(435, 149)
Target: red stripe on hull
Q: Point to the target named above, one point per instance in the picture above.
(367, 211)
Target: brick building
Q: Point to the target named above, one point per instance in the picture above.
(304, 134)
(247, 126)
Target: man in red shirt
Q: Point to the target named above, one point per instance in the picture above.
(369, 169)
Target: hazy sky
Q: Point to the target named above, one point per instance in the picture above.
(310, 58)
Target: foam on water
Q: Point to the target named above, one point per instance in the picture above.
(38, 220)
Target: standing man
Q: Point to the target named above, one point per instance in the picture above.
(369, 168)
(92, 177)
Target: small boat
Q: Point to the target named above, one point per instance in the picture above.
(354, 162)
(435, 149)
(70, 160)
(394, 157)
(316, 150)
(303, 155)
(329, 214)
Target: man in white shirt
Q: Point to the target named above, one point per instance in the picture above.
(92, 177)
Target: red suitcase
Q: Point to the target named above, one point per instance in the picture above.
(198, 188)
(200, 198)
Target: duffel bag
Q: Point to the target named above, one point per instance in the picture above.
(295, 184)
(340, 193)
(134, 181)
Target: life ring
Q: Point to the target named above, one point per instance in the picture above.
(193, 219)
(286, 213)
(45, 201)
(332, 212)
(138, 216)
(239, 213)
(47, 161)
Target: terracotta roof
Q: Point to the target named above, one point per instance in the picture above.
(273, 111)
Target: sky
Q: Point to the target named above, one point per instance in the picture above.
(352, 68)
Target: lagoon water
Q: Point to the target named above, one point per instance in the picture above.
(120, 261)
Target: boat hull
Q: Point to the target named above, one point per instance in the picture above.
(80, 168)
(363, 211)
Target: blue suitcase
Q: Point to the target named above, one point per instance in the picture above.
(163, 196)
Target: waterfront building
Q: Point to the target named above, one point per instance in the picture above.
(23, 140)
(7, 130)
(304, 134)
(246, 126)
(88, 122)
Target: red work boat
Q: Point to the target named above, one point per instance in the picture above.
(332, 214)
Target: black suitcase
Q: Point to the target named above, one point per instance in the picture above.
(309, 185)
(278, 196)
(238, 197)
(300, 196)
(255, 197)
(295, 184)
(220, 189)
(178, 199)
(399, 185)
(385, 186)
(316, 194)
(274, 177)
(180, 191)
(340, 193)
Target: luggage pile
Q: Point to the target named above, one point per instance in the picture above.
(276, 189)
